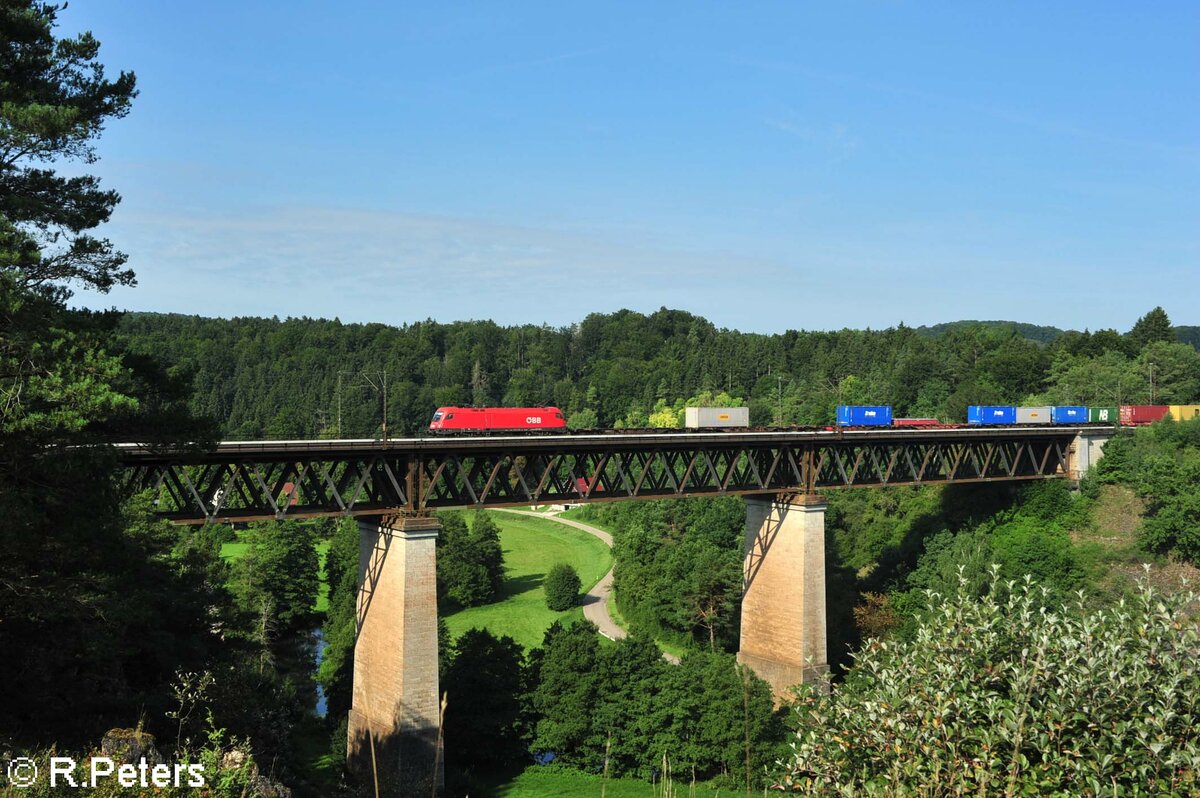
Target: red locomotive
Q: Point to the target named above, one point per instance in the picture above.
(497, 419)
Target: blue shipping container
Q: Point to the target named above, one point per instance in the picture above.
(989, 414)
(1072, 414)
(864, 416)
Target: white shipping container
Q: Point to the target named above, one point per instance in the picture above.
(700, 417)
(1033, 415)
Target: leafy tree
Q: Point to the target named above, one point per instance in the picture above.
(1017, 692)
(55, 379)
(630, 677)
(56, 102)
(1174, 370)
(583, 419)
(1108, 379)
(710, 582)
(623, 708)
(713, 715)
(566, 695)
(1173, 517)
(102, 601)
(678, 566)
(562, 587)
(462, 579)
(664, 416)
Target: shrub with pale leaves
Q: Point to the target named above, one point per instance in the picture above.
(1001, 695)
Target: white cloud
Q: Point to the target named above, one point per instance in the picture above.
(374, 265)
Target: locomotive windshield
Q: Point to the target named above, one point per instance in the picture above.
(437, 416)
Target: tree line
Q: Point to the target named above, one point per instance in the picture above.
(304, 378)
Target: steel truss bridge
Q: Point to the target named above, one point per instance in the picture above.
(247, 481)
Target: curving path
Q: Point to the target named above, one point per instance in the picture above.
(595, 603)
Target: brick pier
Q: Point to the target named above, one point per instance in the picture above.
(393, 722)
(783, 604)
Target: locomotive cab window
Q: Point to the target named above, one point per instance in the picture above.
(437, 416)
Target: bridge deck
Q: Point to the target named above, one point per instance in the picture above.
(248, 480)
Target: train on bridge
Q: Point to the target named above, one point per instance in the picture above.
(484, 420)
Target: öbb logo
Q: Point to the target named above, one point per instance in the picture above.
(533, 419)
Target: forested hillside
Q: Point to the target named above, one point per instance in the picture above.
(309, 377)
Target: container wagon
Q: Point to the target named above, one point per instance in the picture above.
(1069, 414)
(705, 417)
(1034, 415)
(991, 414)
(864, 415)
(1184, 412)
(1137, 415)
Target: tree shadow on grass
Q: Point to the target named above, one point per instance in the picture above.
(516, 585)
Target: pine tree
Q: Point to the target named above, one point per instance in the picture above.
(56, 102)
(1154, 326)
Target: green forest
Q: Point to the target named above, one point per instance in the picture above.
(311, 378)
(985, 640)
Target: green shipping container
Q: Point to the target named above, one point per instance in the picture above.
(1103, 415)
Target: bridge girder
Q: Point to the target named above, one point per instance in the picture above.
(245, 482)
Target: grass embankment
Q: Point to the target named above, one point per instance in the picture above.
(1110, 547)
(531, 547)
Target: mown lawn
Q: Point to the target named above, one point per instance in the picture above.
(531, 547)
(537, 782)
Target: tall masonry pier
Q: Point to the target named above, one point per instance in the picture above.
(393, 726)
(783, 602)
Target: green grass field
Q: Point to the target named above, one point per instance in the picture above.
(531, 546)
(538, 782)
(233, 551)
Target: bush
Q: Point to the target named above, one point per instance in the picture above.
(562, 587)
(999, 695)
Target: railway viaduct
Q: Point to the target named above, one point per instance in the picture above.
(393, 486)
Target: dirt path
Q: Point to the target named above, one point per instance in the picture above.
(595, 603)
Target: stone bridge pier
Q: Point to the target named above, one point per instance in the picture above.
(392, 733)
(1085, 450)
(783, 635)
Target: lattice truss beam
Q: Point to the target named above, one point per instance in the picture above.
(257, 488)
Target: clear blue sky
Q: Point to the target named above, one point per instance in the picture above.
(769, 166)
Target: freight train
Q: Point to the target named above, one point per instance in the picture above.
(1012, 415)
(451, 420)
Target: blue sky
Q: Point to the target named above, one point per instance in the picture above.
(769, 166)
